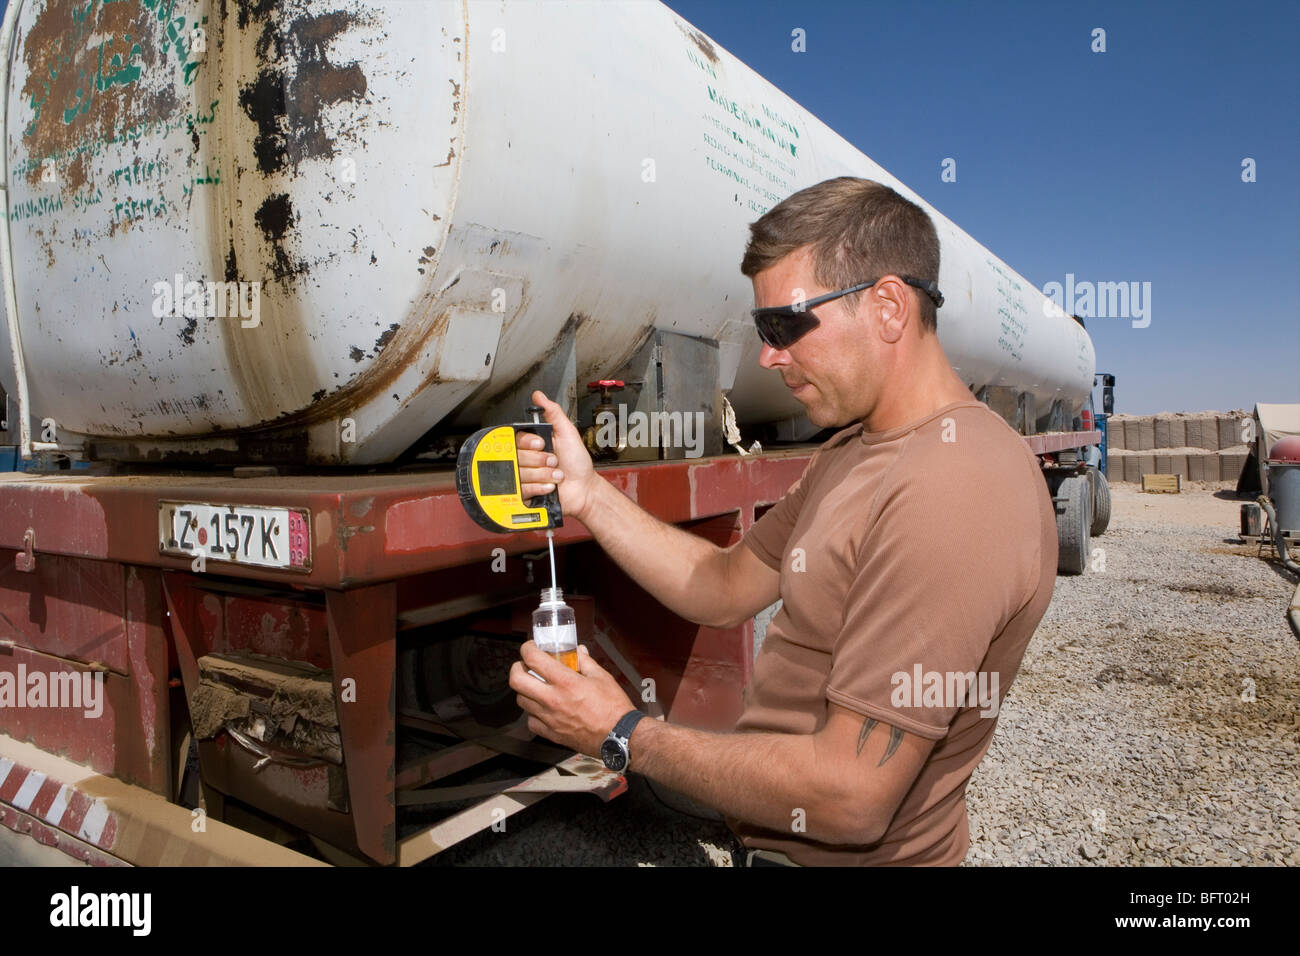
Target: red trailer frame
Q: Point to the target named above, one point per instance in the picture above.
(84, 588)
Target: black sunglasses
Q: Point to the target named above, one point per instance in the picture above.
(780, 326)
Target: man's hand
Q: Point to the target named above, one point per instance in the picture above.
(569, 467)
(576, 710)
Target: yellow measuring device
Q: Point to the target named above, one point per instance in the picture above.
(487, 480)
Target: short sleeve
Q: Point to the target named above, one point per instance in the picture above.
(936, 581)
(768, 535)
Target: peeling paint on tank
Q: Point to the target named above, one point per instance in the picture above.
(274, 217)
(296, 83)
(385, 337)
(93, 71)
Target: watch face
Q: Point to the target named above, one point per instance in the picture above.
(613, 755)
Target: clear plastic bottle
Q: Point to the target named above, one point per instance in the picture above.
(555, 630)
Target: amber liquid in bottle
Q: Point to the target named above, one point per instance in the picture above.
(555, 630)
(567, 658)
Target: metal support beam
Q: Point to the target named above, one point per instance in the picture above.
(363, 649)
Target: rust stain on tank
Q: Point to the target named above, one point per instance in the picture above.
(274, 218)
(75, 174)
(378, 375)
(87, 70)
(701, 41)
(295, 84)
(297, 98)
(385, 337)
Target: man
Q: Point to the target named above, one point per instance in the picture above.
(915, 557)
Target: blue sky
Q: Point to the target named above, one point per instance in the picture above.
(1116, 166)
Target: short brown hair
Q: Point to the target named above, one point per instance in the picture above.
(859, 229)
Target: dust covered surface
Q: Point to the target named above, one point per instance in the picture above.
(211, 705)
(291, 688)
(281, 703)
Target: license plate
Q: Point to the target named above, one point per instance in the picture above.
(236, 534)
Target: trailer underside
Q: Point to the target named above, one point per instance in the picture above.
(349, 699)
(354, 701)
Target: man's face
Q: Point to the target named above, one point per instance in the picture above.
(834, 369)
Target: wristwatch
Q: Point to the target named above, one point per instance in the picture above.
(614, 748)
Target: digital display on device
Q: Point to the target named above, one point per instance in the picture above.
(496, 478)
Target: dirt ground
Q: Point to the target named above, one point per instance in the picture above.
(1199, 503)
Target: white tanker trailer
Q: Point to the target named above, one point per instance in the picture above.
(263, 262)
(309, 234)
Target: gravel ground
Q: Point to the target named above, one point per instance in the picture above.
(1157, 712)
(1154, 721)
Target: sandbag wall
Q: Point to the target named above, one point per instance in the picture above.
(1199, 446)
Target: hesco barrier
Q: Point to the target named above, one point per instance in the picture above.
(1199, 446)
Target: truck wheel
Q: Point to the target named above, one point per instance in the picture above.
(477, 667)
(1073, 522)
(1100, 502)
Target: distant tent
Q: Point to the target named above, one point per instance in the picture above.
(1272, 424)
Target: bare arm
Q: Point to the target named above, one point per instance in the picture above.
(842, 784)
(690, 575)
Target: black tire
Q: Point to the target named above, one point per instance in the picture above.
(1073, 522)
(1100, 503)
(477, 667)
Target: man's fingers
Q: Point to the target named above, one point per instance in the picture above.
(554, 413)
(587, 665)
(527, 704)
(542, 475)
(531, 447)
(544, 664)
(538, 471)
(525, 684)
(536, 458)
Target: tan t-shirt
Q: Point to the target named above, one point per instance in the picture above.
(909, 558)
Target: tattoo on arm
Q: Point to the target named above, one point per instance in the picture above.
(895, 738)
(867, 726)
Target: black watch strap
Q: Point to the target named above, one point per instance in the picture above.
(625, 724)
